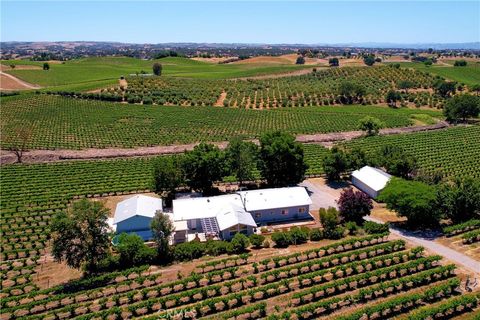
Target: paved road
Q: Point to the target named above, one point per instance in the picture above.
(427, 240)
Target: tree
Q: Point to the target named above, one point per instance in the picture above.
(80, 235)
(239, 243)
(46, 66)
(392, 97)
(350, 92)
(157, 69)
(133, 251)
(354, 205)
(281, 159)
(333, 62)
(459, 200)
(412, 199)
(241, 159)
(405, 85)
(444, 88)
(462, 107)
(203, 166)
(18, 140)
(300, 60)
(369, 60)
(256, 240)
(371, 125)
(162, 229)
(330, 221)
(335, 163)
(397, 162)
(299, 235)
(460, 63)
(168, 176)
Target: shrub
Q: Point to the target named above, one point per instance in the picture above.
(239, 243)
(351, 227)
(316, 234)
(299, 235)
(329, 219)
(281, 239)
(257, 240)
(189, 250)
(371, 227)
(133, 251)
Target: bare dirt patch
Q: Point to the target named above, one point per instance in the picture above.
(212, 60)
(9, 82)
(4, 67)
(221, 98)
(50, 273)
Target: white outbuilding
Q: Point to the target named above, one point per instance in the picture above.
(135, 214)
(370, 180)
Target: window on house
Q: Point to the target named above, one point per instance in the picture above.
(301, 210)
(284, 211)
(258, 215)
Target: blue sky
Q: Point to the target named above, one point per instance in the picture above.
(246, 22)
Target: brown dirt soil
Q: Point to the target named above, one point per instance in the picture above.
(288, 59)
(455, 243)
(5, 67)
(220, 99)
(212, 60)
(50, 273)
(9, 82)
(279, 75)
(325, 139)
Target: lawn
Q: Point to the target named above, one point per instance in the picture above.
(69, 123)
(86, 70)
(468, 75)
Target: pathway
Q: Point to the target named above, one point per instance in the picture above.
(21, 84)
(427, 240)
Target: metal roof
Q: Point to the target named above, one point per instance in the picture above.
(265, 199)
(138, 205)
(374, 178)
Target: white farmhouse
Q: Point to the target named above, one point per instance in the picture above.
(370, 180)
(224, 216)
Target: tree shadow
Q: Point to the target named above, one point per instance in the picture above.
(338, 184)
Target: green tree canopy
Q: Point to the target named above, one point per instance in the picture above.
(300, 60)
(459, 200)
(241, 159)
(168, 176)
(162, 229)
(80, 235)
(392, 97)
(369, 60)
(157, 69)
(462, 107)
(333, 62)
(350, 92)
(445, 88)
(46, 66)
(397, 161)
(204, 165)
(370, 125)
(282, 160)
(330, 220)
(412, 199)
(335, 163)
(133, 251)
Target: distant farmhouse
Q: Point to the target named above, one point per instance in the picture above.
(370, 180)
(218, 217)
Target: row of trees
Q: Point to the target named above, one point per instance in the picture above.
(339, 162)
(279, 160)
(425, 205)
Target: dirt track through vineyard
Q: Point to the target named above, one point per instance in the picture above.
(325, 139)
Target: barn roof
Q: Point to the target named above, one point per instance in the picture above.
(374, 178)
(265, 199)
(138, 205)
